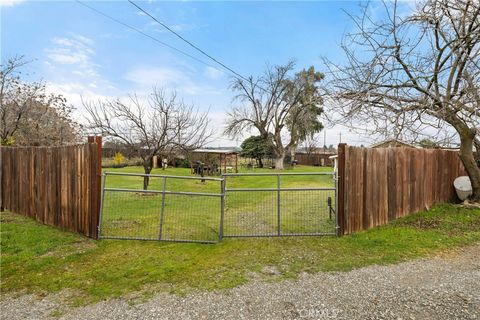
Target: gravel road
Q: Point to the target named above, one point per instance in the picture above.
(443, 287)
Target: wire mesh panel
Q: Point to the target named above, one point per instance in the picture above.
(183, 208)
(174, 208)
(306, 212)
(251, 213)
(130, 215)
(271, 204)
(188, 217)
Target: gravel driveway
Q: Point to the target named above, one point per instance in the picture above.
(443, 287)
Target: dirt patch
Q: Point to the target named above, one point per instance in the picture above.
(6, 220)
(470, 205)
(147, 194)
(249, 220)
(6, 217)
(450, 226)
(424, 224)
(69, 249)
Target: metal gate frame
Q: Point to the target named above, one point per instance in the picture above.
(222, 195)
(163, 192)
(279, 189)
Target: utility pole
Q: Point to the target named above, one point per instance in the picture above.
(340, 137)
(324, 140)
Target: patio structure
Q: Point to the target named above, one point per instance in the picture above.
(213, 161)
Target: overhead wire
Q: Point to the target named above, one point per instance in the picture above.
(144, 34)
(224, 66)
(188, 42)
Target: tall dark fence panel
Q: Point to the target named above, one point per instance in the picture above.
(58, 186)
(380, 185)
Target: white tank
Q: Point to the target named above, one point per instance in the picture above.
(463, 187)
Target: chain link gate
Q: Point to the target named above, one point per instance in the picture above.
(173, 209)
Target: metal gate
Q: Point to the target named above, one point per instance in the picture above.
(171, 209)
(204, 209)
(280, 204)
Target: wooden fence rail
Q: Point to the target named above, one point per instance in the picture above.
(58, 186)
(380, 185)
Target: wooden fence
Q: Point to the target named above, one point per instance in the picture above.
(380, 185)
(314, 159)
(58, 186)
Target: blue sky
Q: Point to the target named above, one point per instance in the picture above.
(80, 53)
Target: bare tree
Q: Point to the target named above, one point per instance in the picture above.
(28, 116)
(160, 125)
(283, 108)
(408, 72)
(310, 144)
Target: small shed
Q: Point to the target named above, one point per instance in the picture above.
(315, 157)
(213, 161)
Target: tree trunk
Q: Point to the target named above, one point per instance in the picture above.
(466, 154)
(279, 161)
(260, 163)
(147, 168)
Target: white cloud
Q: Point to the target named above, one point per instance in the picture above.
(182, 27)
(147, 77)
(155, 27)
(76, 92)
(72, 72)
(75, 51)
(156, 76)
(10, 3)
(213, 73)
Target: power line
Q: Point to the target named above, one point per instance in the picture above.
(237, 75)
(143, 33)
(188, 42)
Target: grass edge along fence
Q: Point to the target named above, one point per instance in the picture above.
(380, 185)
(58, 186)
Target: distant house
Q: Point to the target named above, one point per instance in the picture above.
(392, 143)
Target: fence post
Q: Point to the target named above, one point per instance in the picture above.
(162, 210)
(222, 206)
(341, 189)
(102, 198)
(96, 186)
(278, 205)
(98, 140)
(1, 179)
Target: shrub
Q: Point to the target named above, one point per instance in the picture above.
(118, 159)
(184, 163)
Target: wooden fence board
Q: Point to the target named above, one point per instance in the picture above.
(380, 185)
(57, 186)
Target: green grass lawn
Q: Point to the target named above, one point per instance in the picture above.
(41, 259)
(186, 217)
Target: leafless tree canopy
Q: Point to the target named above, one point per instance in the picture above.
(28, 116)
(160, 124)
(278, 105)
(408, 72)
